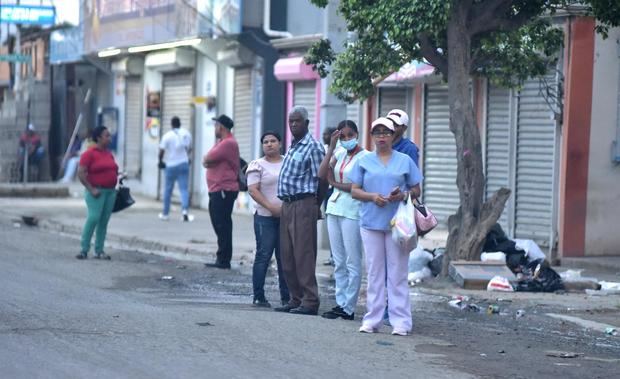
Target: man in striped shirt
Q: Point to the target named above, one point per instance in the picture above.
(301, 192)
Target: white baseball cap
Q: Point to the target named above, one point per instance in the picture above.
(403, 119)
(382, 121)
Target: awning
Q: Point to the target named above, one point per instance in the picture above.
(293, 68)
(409, 72)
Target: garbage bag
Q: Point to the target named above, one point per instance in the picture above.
(499, 283)
(532, 250)
(419, 259)
(539, 277)
(437, 263)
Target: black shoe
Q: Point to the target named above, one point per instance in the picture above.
(301, 310)
(223, 266)
(334, 314)
(81, 256)
(285, 308)
(261, 303)
(103, 256)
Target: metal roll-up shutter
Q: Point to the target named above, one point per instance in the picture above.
(440, 190)
(498, 147)
(535, 164)
(133, 127)
(242, 112)
(390, 98)
(177, 97)
(353, 113)
(304, 94)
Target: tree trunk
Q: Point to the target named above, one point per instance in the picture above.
(470, 225)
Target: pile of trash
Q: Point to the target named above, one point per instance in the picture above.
(497, 307)
(424, 264)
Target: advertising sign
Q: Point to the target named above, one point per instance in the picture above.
(28, 14)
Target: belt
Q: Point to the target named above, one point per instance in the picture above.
(300, 196)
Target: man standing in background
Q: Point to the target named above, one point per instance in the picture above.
(401, 143)
(176, 146)
(222, 164)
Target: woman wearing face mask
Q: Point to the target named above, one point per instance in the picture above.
(381, 180)
(343, 218)
(262, 176)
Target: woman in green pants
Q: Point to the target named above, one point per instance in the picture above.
(98, 172)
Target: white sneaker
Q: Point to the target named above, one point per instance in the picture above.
(164, 217)
(367, 329)
(188, 217)
(400, 332)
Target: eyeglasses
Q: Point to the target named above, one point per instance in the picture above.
(385, 133)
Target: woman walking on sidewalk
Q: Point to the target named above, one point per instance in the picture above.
(98, 172)
(381, 180)
(343, 219)
(262, 177)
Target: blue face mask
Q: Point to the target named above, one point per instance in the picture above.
(350, 144)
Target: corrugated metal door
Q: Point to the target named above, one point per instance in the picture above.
(440, 191)
(304, 94)
(535, 164)
(133, 127)
(177, 97)
(242, 112)
(499, 149)
(390, 98)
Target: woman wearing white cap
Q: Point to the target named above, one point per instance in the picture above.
(381, 180)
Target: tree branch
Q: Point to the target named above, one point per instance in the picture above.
(495, 18)
(487, 11)
(429, 51)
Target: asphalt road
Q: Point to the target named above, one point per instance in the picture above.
(64, 318)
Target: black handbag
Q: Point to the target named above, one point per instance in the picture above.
(123, 198)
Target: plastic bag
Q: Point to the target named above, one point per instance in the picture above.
(499, 283)
(418, 259)
(403, 227)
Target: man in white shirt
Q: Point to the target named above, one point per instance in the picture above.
(176, 145)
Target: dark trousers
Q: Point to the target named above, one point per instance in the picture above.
(220, 210)
(298, 246)
(267, 232)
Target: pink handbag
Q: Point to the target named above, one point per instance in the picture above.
(424, 219)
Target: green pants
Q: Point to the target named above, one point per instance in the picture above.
(99, 211)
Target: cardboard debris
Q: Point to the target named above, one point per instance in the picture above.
(476, 275)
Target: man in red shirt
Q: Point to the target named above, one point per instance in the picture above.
(222, 164)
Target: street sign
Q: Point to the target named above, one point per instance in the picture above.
(28, 14)
(15, 58)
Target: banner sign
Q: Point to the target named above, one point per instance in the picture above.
(28, 14)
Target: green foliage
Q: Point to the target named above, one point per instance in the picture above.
(394, 32)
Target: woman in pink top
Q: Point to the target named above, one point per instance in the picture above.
(262, 177)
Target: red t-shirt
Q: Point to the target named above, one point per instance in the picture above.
(101, 170)
(224, 174)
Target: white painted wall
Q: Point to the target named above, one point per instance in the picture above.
(603, 208)
(206, 85)
(150, 145)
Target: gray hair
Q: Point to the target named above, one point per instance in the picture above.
(302, 111)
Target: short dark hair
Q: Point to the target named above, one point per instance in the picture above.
(97, 132)
(271, 133)
(175, 122)
(329, 130)
(344, 123)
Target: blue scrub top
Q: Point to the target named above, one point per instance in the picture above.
(375, 177)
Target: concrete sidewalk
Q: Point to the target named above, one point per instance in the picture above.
(139, 228)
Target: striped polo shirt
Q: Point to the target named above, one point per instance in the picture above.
(300, 168)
